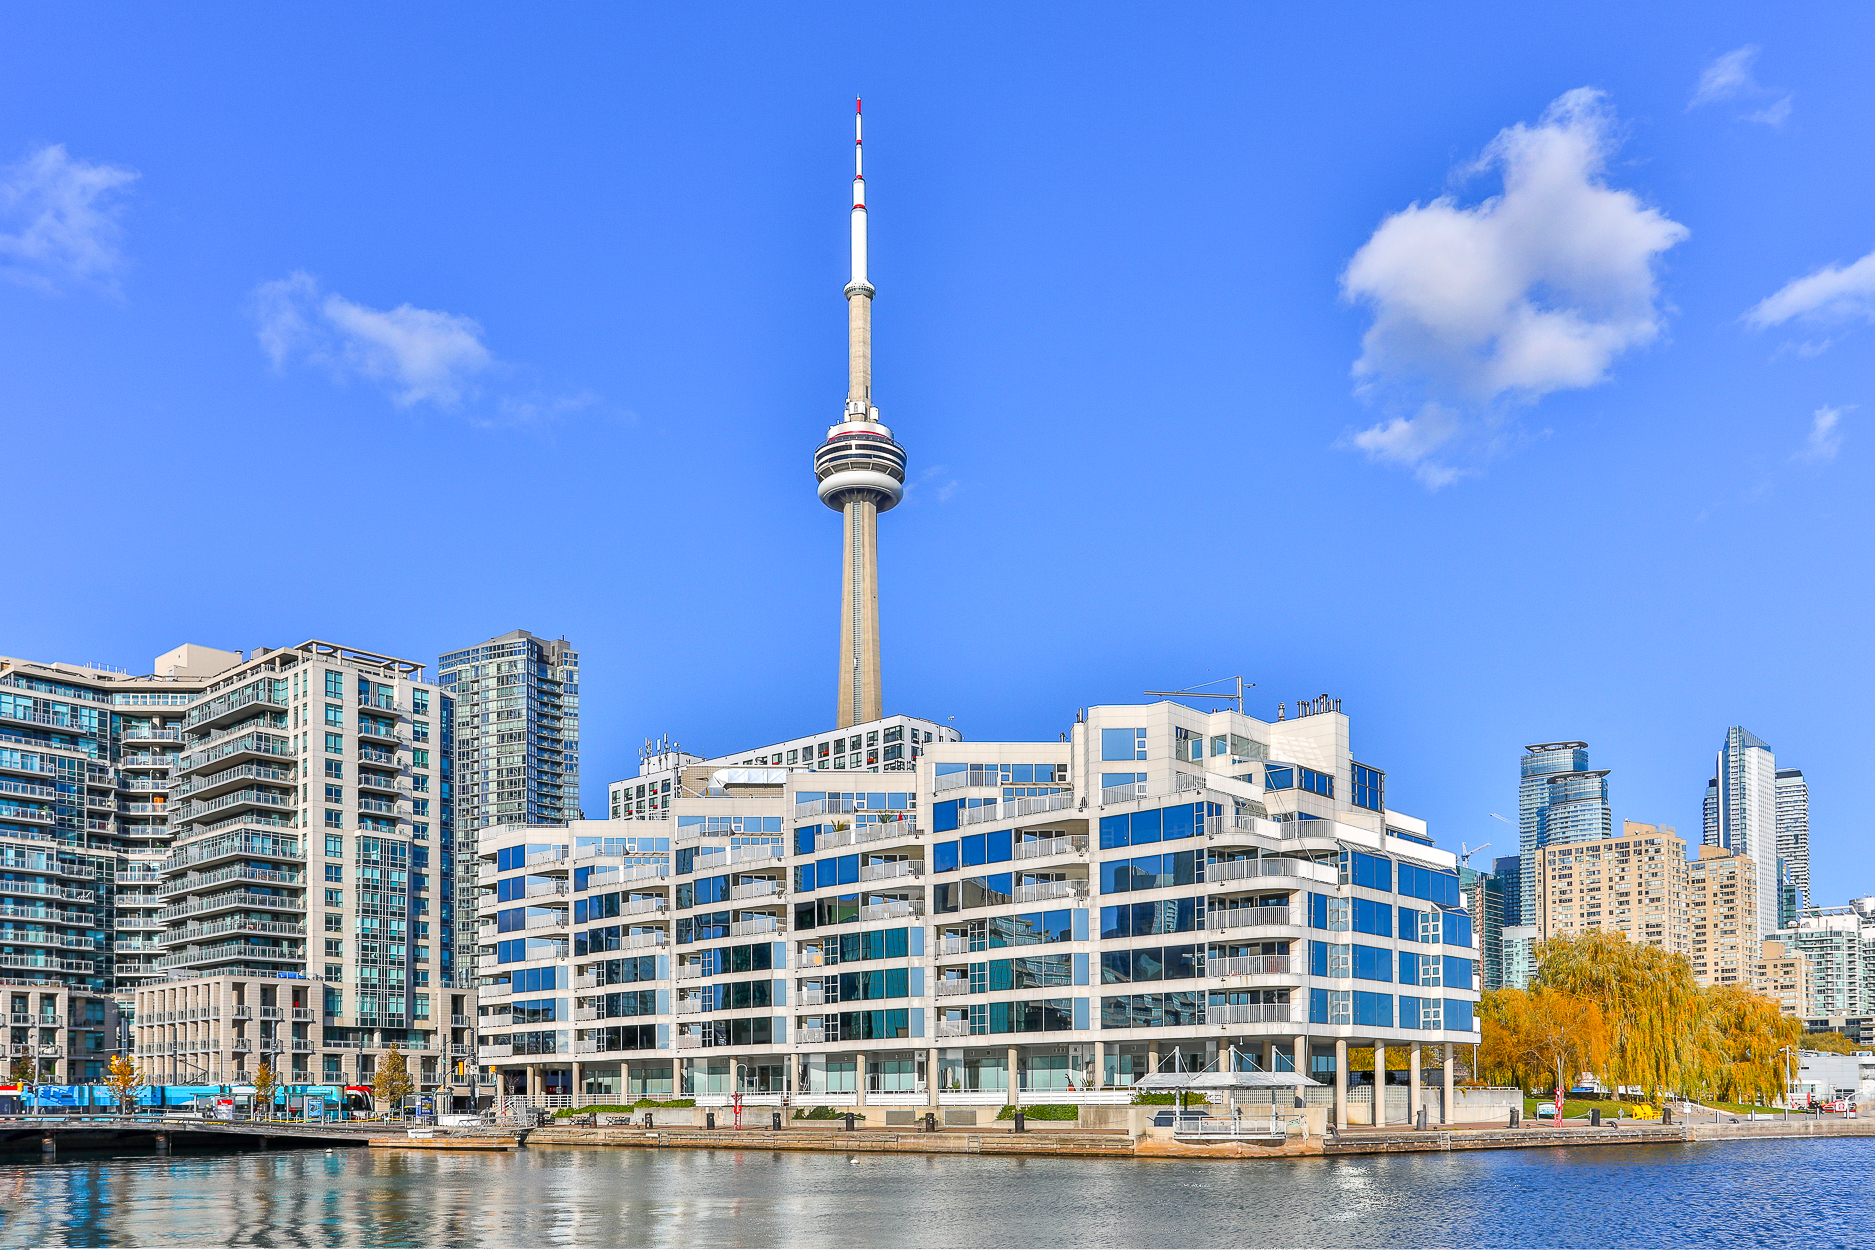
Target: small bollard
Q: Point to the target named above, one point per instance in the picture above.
(775, 1120)
(1595, 1117)
(849, 1121)
(1422, 1120)
(930, 1122)
(648, 1123)
(1516, 1116)
(1666, 1115)
(1021, 1122)
(709, 1119)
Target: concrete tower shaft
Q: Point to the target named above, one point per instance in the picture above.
(861, 473)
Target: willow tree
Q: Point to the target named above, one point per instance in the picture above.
(1742, 1036)
(1652, 1007)
(1545, 1032)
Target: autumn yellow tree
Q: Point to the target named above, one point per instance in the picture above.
(391, 1083)
(265, 1082)
(1741, 1035)
(1652, 1008)
(1543, 1035)
(124, 1081)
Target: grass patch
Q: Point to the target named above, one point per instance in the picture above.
(1042, 1111)
(1578, 1108)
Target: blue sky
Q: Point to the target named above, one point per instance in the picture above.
(1504, 374)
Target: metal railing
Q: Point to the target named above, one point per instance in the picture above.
(953, 1028)
(895, 909)
(1249, 966)
(950, 986)
(1038, 891)
(1122, 794)
(891, 869)
(1250, 1013)
(1246, 917)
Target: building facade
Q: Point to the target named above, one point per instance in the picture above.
(1840, 945)
(1722, 898)
(1165, 889)
(1635, 885)
(1783, 975)
(1484, 896)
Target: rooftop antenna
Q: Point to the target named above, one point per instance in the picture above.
(1199, 692)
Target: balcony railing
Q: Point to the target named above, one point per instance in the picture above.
(1246, 917)
(233, 898)
(235, 872)
(895, 909)
(1042, 848)
(1250, 1013)
(1254, 869)
(952, 986)
(1249, 966)
(1040, 891)
(953, 1028)
(751, 928)
(891, 869)
(759, 889)
(860, 835)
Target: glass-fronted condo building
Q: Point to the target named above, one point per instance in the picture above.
(1166, 889)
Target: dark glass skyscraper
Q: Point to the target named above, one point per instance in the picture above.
(1560, 799)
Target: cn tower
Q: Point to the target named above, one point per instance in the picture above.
(861, 470)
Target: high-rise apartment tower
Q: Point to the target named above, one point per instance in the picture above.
(1793, 830)
(516, 746)
(1741, 813)
(1559, 800)
(861, 470)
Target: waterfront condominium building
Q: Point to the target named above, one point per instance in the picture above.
(515, 749)
(1793, 831)
(1163, 890)
(1741, 813)
(1722, 899)
(1635, 885)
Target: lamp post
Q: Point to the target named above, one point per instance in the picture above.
(1786, 1052)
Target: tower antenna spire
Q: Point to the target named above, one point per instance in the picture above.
(861, 470)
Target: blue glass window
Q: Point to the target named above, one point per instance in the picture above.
(1430, 884)
(1318, 959)
(1457, 925)
(1373, 871)
(1458, 1016)
(1373, 1009)
(1372, 917)
(944, 857)
(1318, 1006)
(944, 816)
(1318, 911)
(1457, 973)
(1279, 778)
(1123, 744)
(1318, 783)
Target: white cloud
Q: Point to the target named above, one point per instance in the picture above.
(1825, 438)
(1834, 293)
(59, 219)
(418, 355)
(1730, 77)
(1535, 290)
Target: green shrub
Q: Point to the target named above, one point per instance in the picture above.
(1154, 1100)
(1042, 1111)
(823, 1113)
(625, 1108)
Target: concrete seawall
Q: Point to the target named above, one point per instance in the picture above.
(1164, 1143)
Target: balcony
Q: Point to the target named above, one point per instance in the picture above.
(950, 945)
(260, 696)
(862, 835)
(717, 858)
(392, 785)
(760, 889)
(1267, 867)
(379, 703)
(36, 815)
(754, 927)
(953, 1028)
(381, 733)
(198, 810)
(378, 807)
(221, 782)
(952, 986)
(377, 755)
(1246, 917)
(237, 872)
(1250, 1013)
(688, 1041)
(689, 1006)
(248, 743)
(232, 900)
(275, 928)
(894, 909)
(45, 963)
(812, 994)
(1041, 891)
(891, 870)
(143, 734)
(233, 846)
(553, 920)
(1044, 848)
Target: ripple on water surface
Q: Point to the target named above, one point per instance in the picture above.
(1813, 1193)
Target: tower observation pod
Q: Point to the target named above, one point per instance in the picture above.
(861, 471)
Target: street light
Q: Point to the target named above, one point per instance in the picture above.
(1786, 1051)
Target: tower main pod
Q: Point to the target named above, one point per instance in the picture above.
(861, 470)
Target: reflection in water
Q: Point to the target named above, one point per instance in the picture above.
(1732, 1194)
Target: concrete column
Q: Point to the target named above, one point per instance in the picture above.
(1100, 1065)
(1445, 1108)
(1015, 1078)
(1302, 1056)
(1341, 1082)
(931, 1078)
(859, 1080)
(579, 1086)
(1380, 1085)
(1152, 1056)
(1412, 1084)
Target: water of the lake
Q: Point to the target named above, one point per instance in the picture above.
(1778, 1193)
